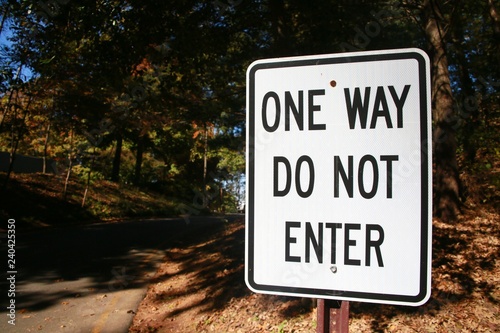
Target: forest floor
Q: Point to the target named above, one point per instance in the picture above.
(37, 201)
(200, 288)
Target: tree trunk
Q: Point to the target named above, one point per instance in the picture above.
(138, 160)
(115, 173)
(16, 137)
(8, 105)
(280, 29)
(205, 161)
(12, 159)
(495, 17)
(468, 108)
(89, 176)
(68, 175)
(446, 179)
(5, 14)
(45, 145)
(70, 166)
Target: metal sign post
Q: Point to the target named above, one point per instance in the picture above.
(332, 316)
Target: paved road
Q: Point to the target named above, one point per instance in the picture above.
(89, 279)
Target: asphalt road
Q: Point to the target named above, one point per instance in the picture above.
(88, 279)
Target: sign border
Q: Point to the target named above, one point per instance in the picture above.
(426, 175)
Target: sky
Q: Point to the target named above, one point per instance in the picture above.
(4, 41)
(5, 33)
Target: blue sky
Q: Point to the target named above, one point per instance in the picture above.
(4, 41)
(5, 33)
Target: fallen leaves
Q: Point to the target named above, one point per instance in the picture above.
(200, 288)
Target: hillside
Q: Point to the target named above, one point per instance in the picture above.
(36, 200)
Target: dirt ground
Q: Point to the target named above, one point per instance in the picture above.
(200, 288)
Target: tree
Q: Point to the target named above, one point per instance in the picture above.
(135, 80)
(446, 200)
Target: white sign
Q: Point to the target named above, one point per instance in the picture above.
(339, 177)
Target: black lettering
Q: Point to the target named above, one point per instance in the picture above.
(399, 101)
(334, 227)
(288, 183)
(389, 159)
(338, 169)
(356, 106)
(297, 113)
(317, 243)
(373, 191)
(290, 240)
(374, 243)
(350, 242)
(308, 192)
(277, 115)
(313, 108)
(377, 112)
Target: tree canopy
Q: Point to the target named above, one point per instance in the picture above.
(152, 93)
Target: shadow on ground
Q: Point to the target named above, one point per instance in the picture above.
(95, 259)
(464, 255)
(208, 270)
(215, 260)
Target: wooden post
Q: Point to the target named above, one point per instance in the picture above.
(332, 316)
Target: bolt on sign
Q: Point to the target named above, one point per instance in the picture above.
(339, 177)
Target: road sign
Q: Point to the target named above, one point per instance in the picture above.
(339, 177)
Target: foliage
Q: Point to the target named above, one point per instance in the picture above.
(152, 93)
